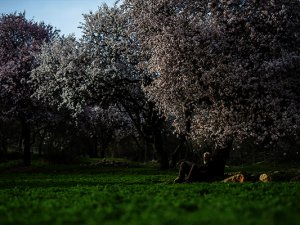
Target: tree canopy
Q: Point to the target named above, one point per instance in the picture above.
(234, 65)
(19, 39)
(218, 71)
(99, 71)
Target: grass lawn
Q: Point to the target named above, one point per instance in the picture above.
(139, 195)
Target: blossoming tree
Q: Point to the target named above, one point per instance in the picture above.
(100, 71)
(227, 69)
(19, 38)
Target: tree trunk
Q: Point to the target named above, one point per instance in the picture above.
(20, 141)
(95, 154)
(3, 141)
(221, 156)
(164, 161)
(3, 147)
(26, 142)
(175, 157)
(161, 153)
(41, 143)
(103, 149)
(102, 153)
(93, 148)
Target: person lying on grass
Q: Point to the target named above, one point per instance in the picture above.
(211, 169)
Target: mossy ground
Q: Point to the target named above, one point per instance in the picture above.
(104, 194)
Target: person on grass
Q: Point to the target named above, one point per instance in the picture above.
(211, 169)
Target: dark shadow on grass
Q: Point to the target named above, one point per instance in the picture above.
(78, 176)
(66, 184)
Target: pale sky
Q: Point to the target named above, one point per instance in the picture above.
(64, 15)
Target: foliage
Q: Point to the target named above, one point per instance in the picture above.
(19, 38)
(140, 196)
(217, 70)
(81, 76)
(233, 65)
(92, 72)
(98, 74)
(63, 81)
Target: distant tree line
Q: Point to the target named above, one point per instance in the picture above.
(156, 79)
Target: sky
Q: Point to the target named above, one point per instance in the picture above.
(64, 15)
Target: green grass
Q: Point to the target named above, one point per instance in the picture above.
(139, 196)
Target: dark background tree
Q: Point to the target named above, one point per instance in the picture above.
(19, 38)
